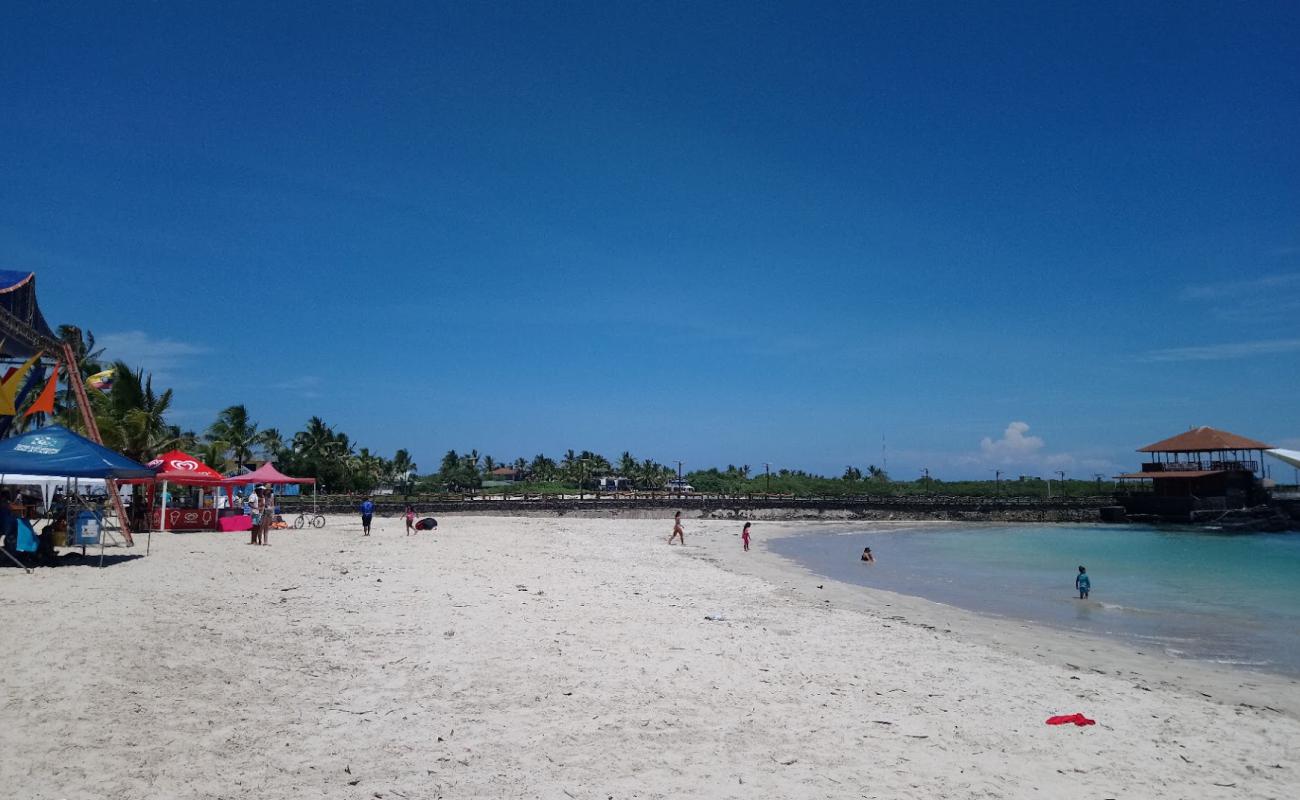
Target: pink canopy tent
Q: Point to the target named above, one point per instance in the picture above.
(268, 474)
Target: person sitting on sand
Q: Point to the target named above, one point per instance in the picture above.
(744, 535)
(1083, 583)
(367, 514)
(868, 557)
(678, 531)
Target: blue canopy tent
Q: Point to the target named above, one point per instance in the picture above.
(55, 450)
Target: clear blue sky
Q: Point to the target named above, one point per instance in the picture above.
(735, 233)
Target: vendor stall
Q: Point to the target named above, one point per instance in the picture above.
(181, 469)
(57, 451)
(269, 475)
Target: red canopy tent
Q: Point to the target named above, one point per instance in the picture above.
(183, 469)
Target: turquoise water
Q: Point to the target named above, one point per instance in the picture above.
(1230, 599)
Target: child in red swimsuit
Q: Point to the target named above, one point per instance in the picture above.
(744, 535)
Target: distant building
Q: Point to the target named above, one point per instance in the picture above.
(1204, 469)
(614, 484)
(506, 475)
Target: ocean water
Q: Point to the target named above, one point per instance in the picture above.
(1225, 598)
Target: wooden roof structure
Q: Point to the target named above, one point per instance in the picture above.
(1204, 440)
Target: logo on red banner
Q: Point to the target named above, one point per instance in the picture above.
(186, 465)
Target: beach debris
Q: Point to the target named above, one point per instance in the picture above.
(288, 588)
(717, 617)
(1067, 719)
(882, 722)
(348, 769)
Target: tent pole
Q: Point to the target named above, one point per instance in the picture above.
(14, 559)
(162, 518)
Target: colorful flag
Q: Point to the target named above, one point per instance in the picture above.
(103, 381)
(44, 403)
(9, 387)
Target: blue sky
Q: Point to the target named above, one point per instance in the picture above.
(1000, 236)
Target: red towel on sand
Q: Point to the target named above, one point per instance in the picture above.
(1066, 719)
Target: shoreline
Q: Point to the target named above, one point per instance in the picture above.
(1231, 685)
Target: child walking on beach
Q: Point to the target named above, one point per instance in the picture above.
(744, 535)
(678, 531)
(1083, 583)
(410, 520)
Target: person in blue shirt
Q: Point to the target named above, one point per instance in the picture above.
(1083, 583)
(367, 513)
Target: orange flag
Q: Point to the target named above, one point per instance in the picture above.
(45, 400)
(9, 387)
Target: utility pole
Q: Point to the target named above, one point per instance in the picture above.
(767, 473)
(1098, 476)
(679, 477)
(997, 481)
(926, 470)
(1061, 474)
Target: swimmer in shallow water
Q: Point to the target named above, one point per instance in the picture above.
(868, 557)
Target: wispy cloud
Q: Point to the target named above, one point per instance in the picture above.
(1223, 352)
(139, 348)
(1240, 288)
(303, 385)
(1267, 298)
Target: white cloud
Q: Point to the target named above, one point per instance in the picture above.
(1015, 444)
(1223, 352)
(138, 349)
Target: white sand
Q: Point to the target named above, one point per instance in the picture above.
(569, 657)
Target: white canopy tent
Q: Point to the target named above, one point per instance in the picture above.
(48, 483)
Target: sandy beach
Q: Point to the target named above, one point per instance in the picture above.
(566, 657)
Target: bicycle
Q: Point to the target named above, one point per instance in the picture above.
(304, 519)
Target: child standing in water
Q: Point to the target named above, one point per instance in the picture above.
(1083, 583)
(744, 535)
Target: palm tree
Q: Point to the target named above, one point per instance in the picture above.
(238, 432)
(132, 418)
(627, 465)
(403, 469)
(489, 464)
(272, 443)
(214, 455)
(368, 468)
